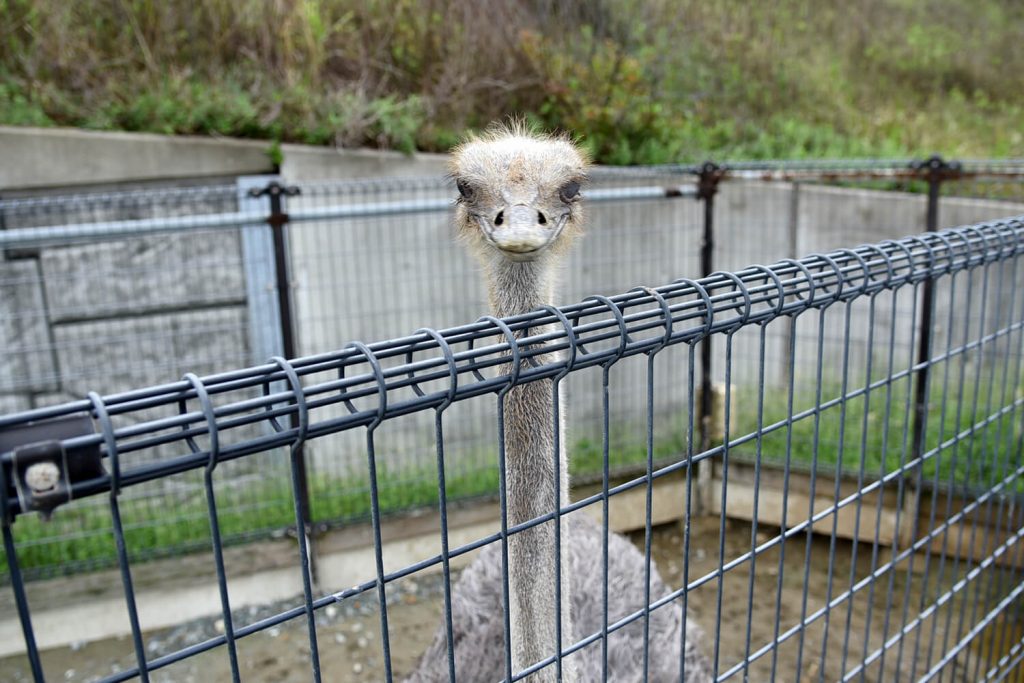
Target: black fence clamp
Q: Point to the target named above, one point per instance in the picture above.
(41, 469)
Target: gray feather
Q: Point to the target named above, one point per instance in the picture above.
(479, 627)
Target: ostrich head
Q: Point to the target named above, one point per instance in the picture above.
(518, 192)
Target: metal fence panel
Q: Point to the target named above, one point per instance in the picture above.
(932, 586)
(821, 403)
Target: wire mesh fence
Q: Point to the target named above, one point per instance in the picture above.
(931, 583)
(816, 369)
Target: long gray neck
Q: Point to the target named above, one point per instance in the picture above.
(530, 437)
(515, 288)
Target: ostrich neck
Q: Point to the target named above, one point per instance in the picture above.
(530, 440)
(515, 288)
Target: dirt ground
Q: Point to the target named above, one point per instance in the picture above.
(349, 634)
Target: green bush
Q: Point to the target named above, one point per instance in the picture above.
(640, 81)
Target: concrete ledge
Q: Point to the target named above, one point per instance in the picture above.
(37, 158)
(305, 163)
(850, 523)
(975, 536)
(157, 608)
(89, 607)
(41, 158)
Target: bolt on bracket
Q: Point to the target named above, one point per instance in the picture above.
(937, 169)
(708, 178)
(41, 470)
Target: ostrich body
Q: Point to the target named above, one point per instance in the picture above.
(518, 211)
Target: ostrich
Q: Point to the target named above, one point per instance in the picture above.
(518, 211)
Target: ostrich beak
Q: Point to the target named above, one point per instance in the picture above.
(522, 232)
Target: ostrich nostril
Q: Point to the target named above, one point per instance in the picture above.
(500, 218)
(541, 219)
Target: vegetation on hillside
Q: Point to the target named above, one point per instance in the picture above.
(641, 81)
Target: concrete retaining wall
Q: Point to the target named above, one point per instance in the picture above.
(119, 314)
(114, 315)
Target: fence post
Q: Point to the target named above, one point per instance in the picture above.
(709, 176)
(278, 221)
(934, 170)
(258, 265)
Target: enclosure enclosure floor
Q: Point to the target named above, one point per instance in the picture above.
(349, 637)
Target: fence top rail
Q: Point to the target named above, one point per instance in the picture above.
(826, 165)
(78, 233)
(810, 169)
(61, 235)
(362, 385)
(828, 170)
(349, 196)
(134, 195)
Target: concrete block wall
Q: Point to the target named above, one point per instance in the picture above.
(28, 367)
(115, 315)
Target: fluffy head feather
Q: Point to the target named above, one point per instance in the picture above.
(518, 190)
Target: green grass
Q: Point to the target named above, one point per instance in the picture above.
(80, 536)
(640, 81)
(971, 447)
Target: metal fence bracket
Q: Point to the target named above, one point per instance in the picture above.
(41, 469)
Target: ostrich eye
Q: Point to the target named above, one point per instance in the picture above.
(569, 191)
(464, 189)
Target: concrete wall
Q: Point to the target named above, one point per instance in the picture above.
(119, 314)
(305, 163)
(371, 278)
(115, 315)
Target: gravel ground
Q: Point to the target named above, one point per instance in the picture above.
(349, 632)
